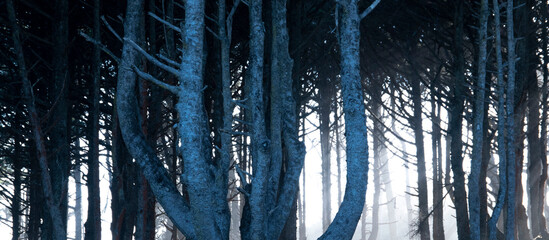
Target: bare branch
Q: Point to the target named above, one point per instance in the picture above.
(175, 28)
(148, 77)
(167, 60)
(213, 33)
(230, 19)
(111, 29)
(369, 9)
(152, 59)
(103, 47)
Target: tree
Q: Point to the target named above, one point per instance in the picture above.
(346, 219)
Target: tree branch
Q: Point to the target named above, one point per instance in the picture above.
(152, 59)
(369, 9)
(175, 28)
(154, 80)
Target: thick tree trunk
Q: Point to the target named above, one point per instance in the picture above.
(344, 224)
(260, 142)
(165, 191)
(294, 155)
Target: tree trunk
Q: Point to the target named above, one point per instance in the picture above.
(344, 224)
(455, 125)
(165, 191)
(260, 142)
(502, 148)
(510, 102)
(93, 224)
(294, 154)
(416, 122)
(478, 122)
(379, 158)
(438, 204)
(16, 199)
(78, 197)
(535, 144)
(324, 105)
(55, 211)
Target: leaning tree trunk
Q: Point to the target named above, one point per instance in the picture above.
(55, 211)
(166, 192)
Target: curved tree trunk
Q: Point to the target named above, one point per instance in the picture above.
(344, 224)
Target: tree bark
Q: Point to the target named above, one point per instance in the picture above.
(324, 105)
(455, 125)
(502, 148)
(478, 122)
(55, 211)
(416, 122)
(510, 102)
(438, 204)
(166, 192)
(344, 224)
(93, 223)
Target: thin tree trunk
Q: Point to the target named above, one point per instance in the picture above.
(456, 113)
(416, 122)
(378, 158)
(535, 162)
(338, 154)
(55, 211)
(500, 201)
(510, 102)
(324, 104)
(543, 135)
(93, 223)
(226, 137)
(16, 199)
(78, 196)
(438, 217)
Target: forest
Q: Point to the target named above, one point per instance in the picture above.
(274, 119)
